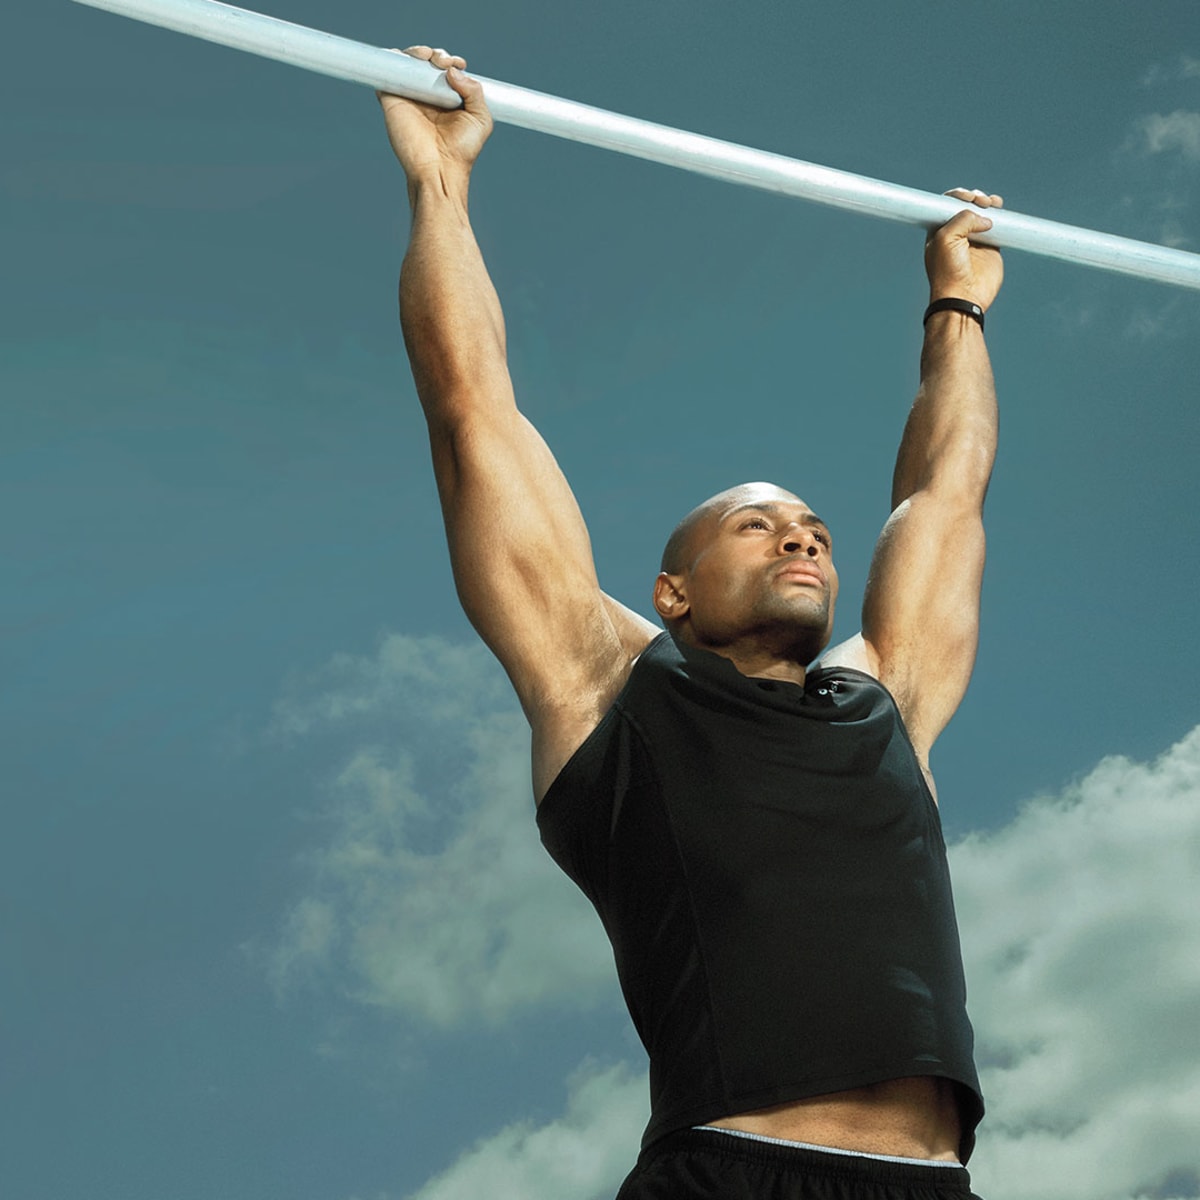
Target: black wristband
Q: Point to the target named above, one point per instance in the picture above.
(950, 304)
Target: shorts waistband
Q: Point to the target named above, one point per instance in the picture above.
(948, 1179)
(774, 1141)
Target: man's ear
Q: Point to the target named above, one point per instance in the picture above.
(670, 599)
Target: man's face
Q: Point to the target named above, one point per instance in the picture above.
(758, 565)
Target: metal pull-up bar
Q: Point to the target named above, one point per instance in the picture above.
(391, 72)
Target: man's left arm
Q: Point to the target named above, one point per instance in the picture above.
(921, 605)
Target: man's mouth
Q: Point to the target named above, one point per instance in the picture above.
(803, 572)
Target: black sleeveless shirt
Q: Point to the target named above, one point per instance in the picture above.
(769, 866)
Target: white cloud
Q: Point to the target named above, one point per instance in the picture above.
(433, 895)
(430, 677)
(1175, 132)
(1080, 920)
(1167, 320)
(1157, 203)
(583, 1155)
(1185, 67)
(1081, 930)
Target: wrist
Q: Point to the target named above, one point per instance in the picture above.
(951, 306)
(438, 180)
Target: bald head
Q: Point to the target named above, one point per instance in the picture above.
(688, 537)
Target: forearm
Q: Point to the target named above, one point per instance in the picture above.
(449, 311)
(949, 442)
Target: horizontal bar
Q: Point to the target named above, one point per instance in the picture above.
(387, 71)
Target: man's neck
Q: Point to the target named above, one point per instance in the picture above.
(763, 666)
(755, 659)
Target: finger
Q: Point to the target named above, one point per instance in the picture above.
(437, 58)
(976, 196)
(444, 60)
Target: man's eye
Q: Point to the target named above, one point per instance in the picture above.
(755, 523)
(823, 538)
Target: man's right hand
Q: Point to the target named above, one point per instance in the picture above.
(431, 141)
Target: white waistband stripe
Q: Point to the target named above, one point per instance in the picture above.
(890, 1158)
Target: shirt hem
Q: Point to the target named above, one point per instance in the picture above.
(970, 1107)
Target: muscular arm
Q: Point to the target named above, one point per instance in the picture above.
(518, 545)
(921, 605)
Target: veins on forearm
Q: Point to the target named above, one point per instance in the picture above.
(949, 440)
(450, 313)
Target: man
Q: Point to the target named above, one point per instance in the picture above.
(759, 836)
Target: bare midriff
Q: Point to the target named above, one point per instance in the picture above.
(915, 1117)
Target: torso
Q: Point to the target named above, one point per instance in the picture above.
(911, 1116)
(916, 1117)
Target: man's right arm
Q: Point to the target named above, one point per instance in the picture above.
(518, 545)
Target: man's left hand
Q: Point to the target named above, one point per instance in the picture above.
(956, 267)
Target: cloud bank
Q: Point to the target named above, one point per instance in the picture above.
(583, 1155)
(1081, 930)
(1080, 924)
(433, 896)
(1177, 132)
(1184, 67)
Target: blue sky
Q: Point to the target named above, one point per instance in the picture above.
(274, 920)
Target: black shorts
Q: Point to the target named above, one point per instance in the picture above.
(700, 1164)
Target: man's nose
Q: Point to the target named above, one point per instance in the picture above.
(797, 538)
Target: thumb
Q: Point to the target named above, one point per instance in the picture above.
(471, 91)
(968, 221)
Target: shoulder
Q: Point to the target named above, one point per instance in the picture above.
(855, 653)
(858, 654)
(563, 718)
